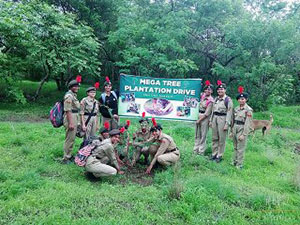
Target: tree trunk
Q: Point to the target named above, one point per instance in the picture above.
(47, 72)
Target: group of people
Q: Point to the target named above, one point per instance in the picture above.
(110, 146)
(219, 115)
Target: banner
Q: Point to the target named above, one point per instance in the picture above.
(176, 99)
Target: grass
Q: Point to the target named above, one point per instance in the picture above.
(36, 189)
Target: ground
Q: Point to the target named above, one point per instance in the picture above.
(36, 189)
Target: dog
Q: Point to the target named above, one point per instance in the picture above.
(264, 125)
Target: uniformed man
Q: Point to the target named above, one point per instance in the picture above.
(102, 162)
(242, 119)
(220, 121)
(139, 139)
(71, 119)
(109, 105)
(89, 110)
(202, 124)
(167, 153)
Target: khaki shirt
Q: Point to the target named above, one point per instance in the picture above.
(87, 104)
(141, 138)
(167, 144)
(243, 115)
(220, 107)
(71, 102)
(104, 153)
(206, 104)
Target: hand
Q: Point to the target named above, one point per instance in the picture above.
(225, 127)
(121, 172)
(84, 128)
(116, 117)
(241, 138)
(148, 171)
(134, 135)
(210, 124)
(198, 121)
(231, 135)
(71, 126)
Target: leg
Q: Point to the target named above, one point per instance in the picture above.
(241, 146)
(215, 137)
(197, 138)
(203, 131)
(222, 135)
(70, 138)
(168, 158)
(101, 170)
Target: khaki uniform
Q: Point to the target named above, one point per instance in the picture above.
(167, 153)
(220, 118)
(71, 104)
(242, 119)
(205, 108)
(138, 143)
(86, 107)
(102, 161)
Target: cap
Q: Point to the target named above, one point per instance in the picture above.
(208, 85)
(90, 89)
(103, 130)
(73, 83)
(156, 128)
(114, 132)
(242, 94)
(220, 85)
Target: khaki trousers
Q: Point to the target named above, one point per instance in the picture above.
(168, 158)
(70, 136)
(92, 126)
(112, 123)
(100, 169)
(239, 146)
(218, 136)
(200, 136)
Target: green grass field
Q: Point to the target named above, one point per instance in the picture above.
(36, 189)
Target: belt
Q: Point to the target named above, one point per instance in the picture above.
(75, 111)
(92, 114)
(201, 111)
(173, 150)
(220, 114)
(239, 122)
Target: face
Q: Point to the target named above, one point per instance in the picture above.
(115, 139)
(242, 101)
(105, 135)
(92, 94)
(156, 134)
(144, 126)
(221, 92)
(108, 88)
(75, 89)
(208, 91)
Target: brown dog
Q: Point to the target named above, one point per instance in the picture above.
(264, 125)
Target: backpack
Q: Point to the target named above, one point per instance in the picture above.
(88, 141)
(83, 154)
(57, 114)
(103, 96)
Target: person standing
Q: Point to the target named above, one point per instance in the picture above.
(109, 105)
(202, 124)
(71, 118)
(166, 152)
(220, 121)
(102, 162)
(89, 110)
(242, 119)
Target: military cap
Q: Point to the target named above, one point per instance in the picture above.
(103, 130)
(73, 83)
(242, 94)
(143, 118)
(90, 89)
(114, 132)
(208, 85)
(107, 81)
(156, 128)
(220, 85)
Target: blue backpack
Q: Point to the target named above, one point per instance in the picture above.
(57, 114)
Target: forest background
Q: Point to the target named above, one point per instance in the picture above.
(254, 43)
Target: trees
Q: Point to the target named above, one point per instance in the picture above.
(41, 38)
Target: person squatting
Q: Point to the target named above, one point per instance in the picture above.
(110, 146)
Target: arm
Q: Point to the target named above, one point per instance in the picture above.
(68, 110)
(112, 157)
(248, 121)
(229, 115)
(82, 107)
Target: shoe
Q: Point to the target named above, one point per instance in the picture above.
(213, 157)
(233, 163)
(239, 167)
(219, 159)
(72, 158)
(66, 161)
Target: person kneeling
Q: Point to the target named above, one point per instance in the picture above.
(102, 162)
(167, 153)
